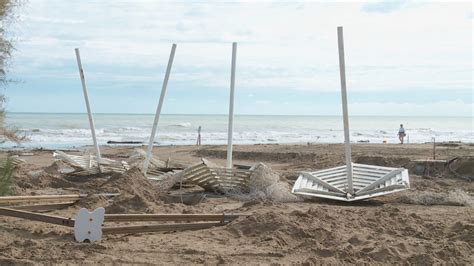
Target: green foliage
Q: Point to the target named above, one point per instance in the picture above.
(6, 172)
(7, 16)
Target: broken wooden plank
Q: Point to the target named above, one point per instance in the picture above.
(159, 228)
(37, 217)
(43, 207)
(39, 198)
(170, 217)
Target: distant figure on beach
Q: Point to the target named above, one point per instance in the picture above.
(401, 133)
(199, 137)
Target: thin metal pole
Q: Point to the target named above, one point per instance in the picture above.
(342, 70)
(158, 110)
(231, 106)
(89, 112)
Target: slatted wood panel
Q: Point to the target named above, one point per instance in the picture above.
(368, 181)
(87, 164)
(215, 179)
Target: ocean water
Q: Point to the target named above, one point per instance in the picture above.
(72, 130)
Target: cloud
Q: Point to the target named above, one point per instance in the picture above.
(39, 19)
(384, 6)
(281, 46)
(439, 108)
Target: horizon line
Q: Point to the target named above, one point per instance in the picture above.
(84, 113)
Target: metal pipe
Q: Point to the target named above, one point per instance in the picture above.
(231, 107)
(89, 112)
(158, 110)
(347, 142)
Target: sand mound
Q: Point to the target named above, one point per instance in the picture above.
(429, 198)
(462, 167)
(137, 193)
(318, 231)
(383, 161)
(265, 185)
(258, 156)
(93, 201)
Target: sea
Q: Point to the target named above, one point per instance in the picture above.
(66, 130)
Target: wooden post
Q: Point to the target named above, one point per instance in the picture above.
(347, 141)
(231, 107)
(158, 110)
(434, 148)
(89, 112)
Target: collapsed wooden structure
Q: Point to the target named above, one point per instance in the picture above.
(45, 202)
(352, 181)
(89, 164)
(86, 225)
(213, 178)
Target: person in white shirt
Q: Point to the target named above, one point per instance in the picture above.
(199, 137)
(401, 133)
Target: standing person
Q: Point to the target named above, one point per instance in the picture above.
(199, 137)
(401, 133)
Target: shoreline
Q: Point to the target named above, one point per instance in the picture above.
(141, 145)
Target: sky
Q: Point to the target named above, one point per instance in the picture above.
(408, 58)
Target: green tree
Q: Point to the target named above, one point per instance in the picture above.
(6, 47)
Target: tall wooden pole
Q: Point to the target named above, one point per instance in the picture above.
(231, 106)
(347, 141)
(89, 112)
(158, 110)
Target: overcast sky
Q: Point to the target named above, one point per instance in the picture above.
(402, 57)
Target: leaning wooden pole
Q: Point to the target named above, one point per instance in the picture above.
(89, 112)
(347, 141)
(158, 110)
(231, 107)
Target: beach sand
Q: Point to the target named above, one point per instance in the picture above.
(433, 222)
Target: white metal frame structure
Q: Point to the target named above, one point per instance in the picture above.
(148, 155)
(352, 181)
(158, 110)
(89, 112)
(231, 106)
(160, 104)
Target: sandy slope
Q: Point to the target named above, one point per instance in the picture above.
(382, 230)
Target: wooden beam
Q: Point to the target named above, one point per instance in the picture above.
(159, 228)
(40, 198)
(37, 217)
(43, 207)
(169, 217)
(379, 181)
